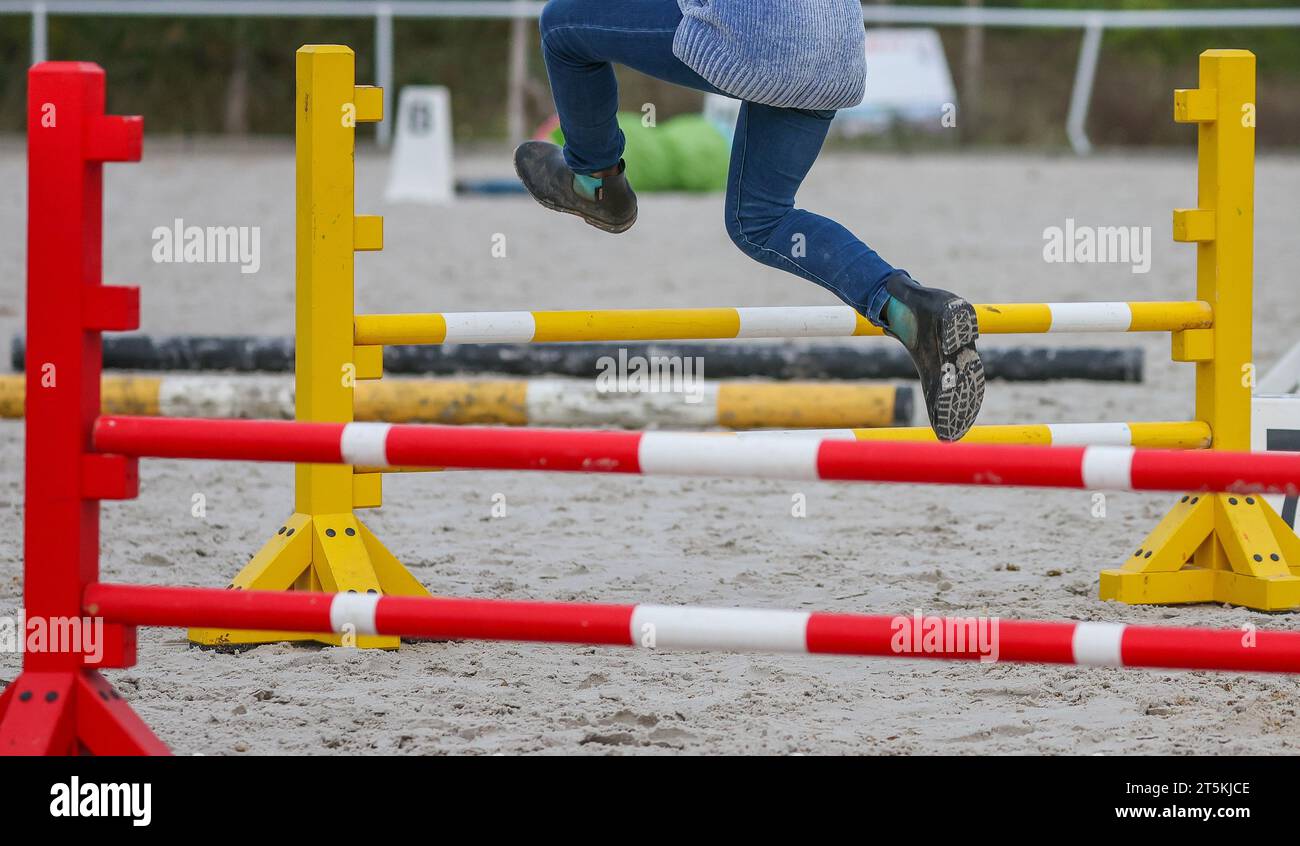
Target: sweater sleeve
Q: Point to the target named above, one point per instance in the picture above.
(804, 54)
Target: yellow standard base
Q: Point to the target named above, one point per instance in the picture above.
(1229, 548)
(331, 553)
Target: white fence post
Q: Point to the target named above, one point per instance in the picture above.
(1076, 124)
(384, 70)
(40, 34)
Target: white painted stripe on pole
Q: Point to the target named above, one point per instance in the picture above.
(1090, 317)
(365, 444)
(490, 327)
(1085, 434)
(1108, 468)
(729, 629)
(682, 454)
(797, 322)
(580, 402)
(355, 611)
(259, 398)
(813, 434)
(1098, 644)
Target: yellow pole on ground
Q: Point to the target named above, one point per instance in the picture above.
(118, 395)
(738, 404)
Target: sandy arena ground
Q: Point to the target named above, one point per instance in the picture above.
(971, 223)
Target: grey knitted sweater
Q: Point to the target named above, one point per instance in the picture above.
(801, 54)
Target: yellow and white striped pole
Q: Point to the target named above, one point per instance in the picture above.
(662, 324)
(1151, 435)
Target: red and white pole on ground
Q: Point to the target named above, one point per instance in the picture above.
(663, 453)
(681, 628)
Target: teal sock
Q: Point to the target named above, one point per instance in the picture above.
(587, 185)
(901, 321)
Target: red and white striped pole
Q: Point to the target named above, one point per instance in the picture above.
(661, 453)
(681, 628)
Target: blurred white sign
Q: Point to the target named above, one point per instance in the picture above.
(420, 167)
(1275, 426)
(722, 112)
(907, 80)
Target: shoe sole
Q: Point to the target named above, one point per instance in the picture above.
(596, 222)
(958, 404)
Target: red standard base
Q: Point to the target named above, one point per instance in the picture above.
(71, 713)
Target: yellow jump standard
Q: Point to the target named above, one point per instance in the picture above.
(323, 546)
(1218, 547)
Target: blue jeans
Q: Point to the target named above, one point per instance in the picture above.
(771, 154)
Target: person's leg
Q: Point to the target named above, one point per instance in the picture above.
(772, 152)
(581, 41)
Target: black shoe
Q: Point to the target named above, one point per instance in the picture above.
(541, 168)
(939, 331)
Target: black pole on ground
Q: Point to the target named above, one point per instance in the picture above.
(735, 360)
